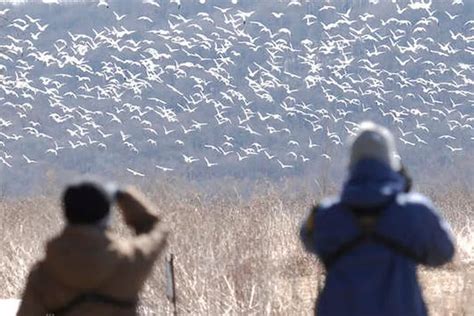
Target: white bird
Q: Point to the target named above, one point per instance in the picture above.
(42, 28)
(406, 142)
(293, 154)
(454, 105)
(278, 14)
(446, 137)
(119, 17)
(212, 147)
(114, 118)
(152, 141)
(135, 173)
(305, 159)
(283, 166)
(28, 160)
(165, 169)
(35, 36)
(421, 126)
(77, 144)
(310, 19)
(294, 3)
(451, 17)
(327, 7)
(32, 20)
(311, 144)
(228, 138)
(222, 10)
(270, 157)
(225, 153)
(209, 164)
(400, 10)
(240, 157)
(189, 159)
(167, 131)
(124, 136)
(420, 140)
(152, 2)
(2, 160)
(145, 18)
(404, 133)
(103, 3)
(454, 149)
(402, 62)
(104, 135)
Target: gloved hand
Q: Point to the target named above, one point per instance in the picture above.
(408, 180)
(136, 209)
(309, 223)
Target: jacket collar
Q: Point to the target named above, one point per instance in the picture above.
(371, 183)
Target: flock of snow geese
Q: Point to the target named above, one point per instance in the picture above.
(174, 84)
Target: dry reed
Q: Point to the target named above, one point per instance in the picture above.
(234, 255)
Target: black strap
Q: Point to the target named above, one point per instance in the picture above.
(93, 298)
(368, 233)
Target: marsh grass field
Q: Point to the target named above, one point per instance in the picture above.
(234, 254)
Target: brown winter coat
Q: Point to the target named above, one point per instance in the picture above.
(86, 259)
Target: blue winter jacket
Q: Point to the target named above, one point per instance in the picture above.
(372, 279)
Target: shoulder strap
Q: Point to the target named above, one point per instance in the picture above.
(367, 223)
(93, 298)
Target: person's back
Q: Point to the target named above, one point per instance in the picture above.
(87, 270)
(373, 235)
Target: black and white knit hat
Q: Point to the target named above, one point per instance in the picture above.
(375, 142)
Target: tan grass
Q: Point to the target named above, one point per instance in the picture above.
(233, 255)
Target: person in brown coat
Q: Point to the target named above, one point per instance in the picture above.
(89, 271)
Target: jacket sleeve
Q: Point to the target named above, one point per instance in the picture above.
(435, 240)
(307, 231)
(30, 302)
(140, 215)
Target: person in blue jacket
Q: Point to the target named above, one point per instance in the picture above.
(371, 238)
